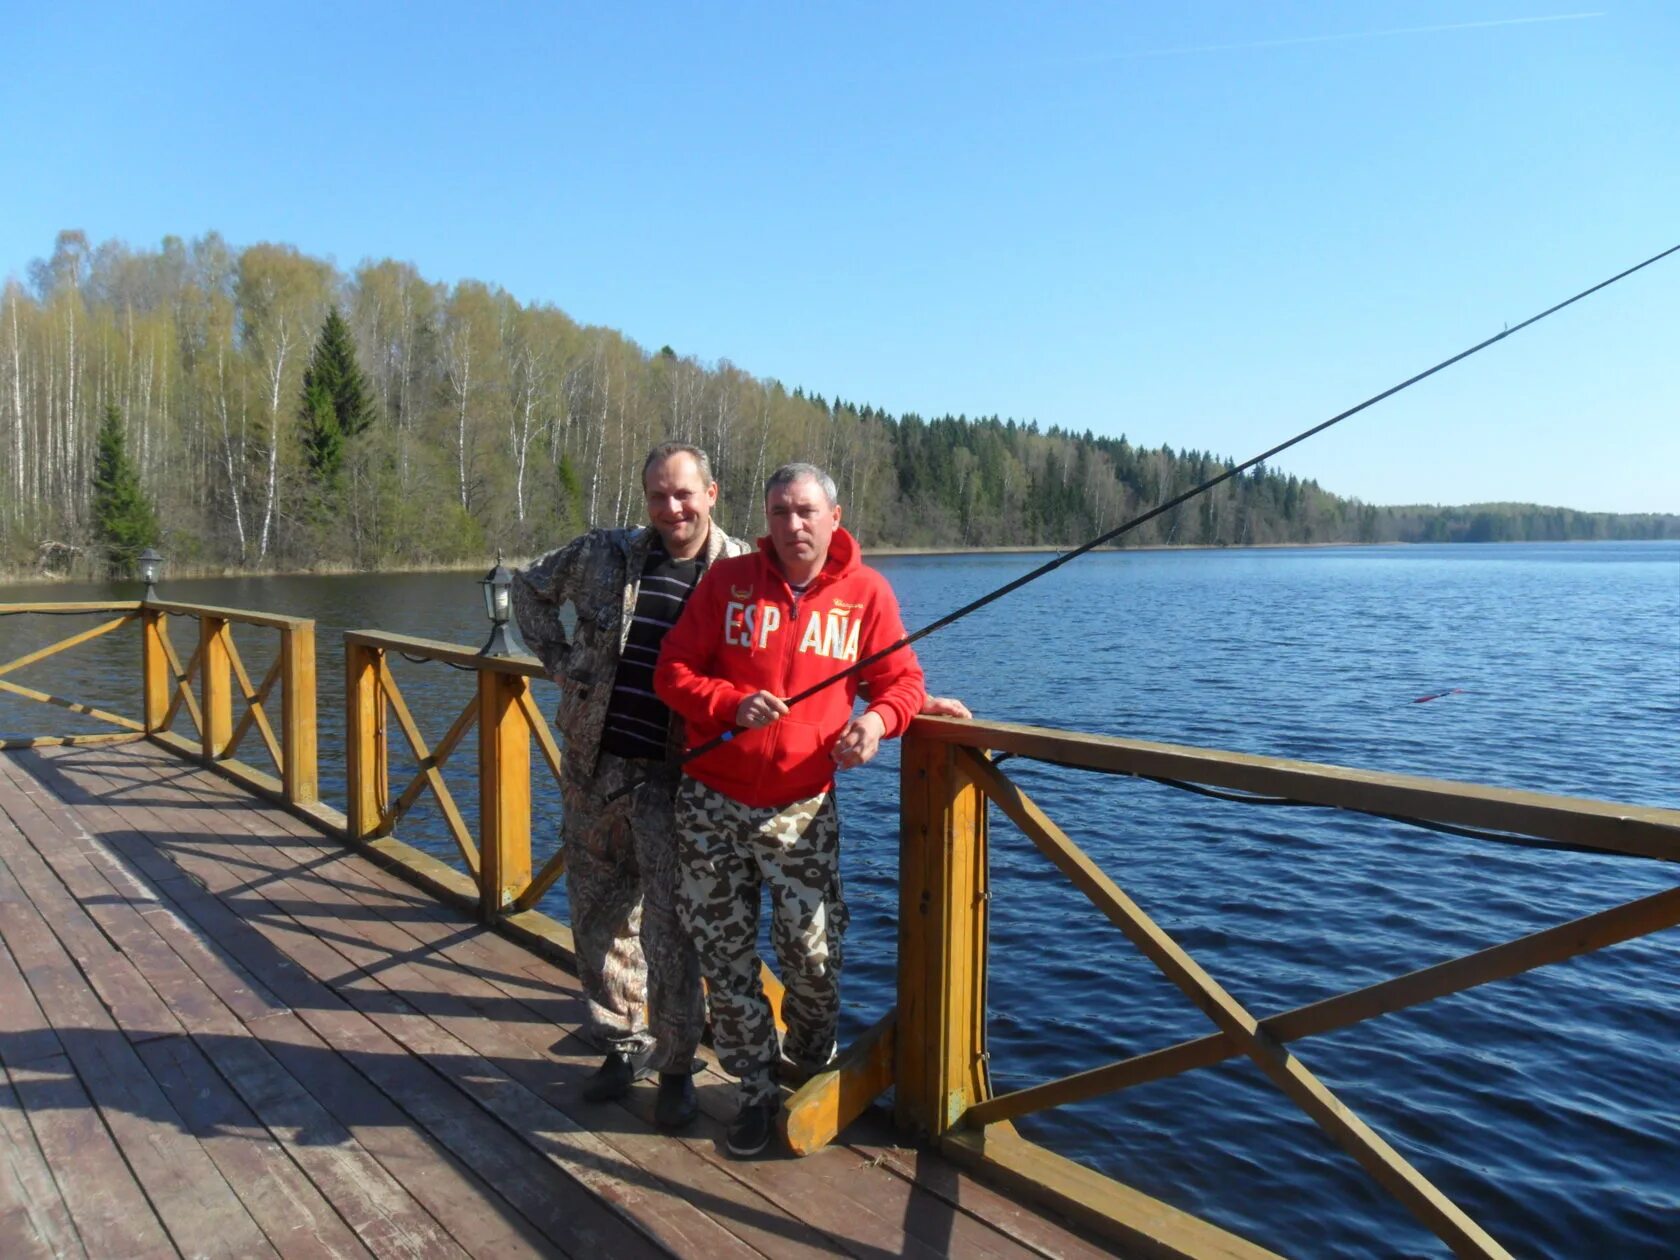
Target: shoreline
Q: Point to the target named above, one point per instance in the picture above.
(21, 577)
(199, 573)
(1052, 550)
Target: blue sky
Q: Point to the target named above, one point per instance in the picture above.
(1208, 224)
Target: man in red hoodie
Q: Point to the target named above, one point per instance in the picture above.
(759, 810)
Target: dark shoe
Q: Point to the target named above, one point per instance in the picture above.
(749, 1132)
(678, 1103)
(618, 1071)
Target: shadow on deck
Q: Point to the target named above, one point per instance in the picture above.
(222, 1033)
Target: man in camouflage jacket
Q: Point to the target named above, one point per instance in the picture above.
(626, 586)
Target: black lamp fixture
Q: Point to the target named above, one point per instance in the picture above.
(498, 606)
(151, 565)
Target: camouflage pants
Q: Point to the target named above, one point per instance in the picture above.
(728, 852)
(621, 880)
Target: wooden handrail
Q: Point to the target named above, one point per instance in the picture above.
(125, 724)
(452, 653)
(64, 645)
(508, 720)
(216, 666)
(1268, 1052)
(1635, 830)
(73, 606)
(940, 1055)
(243, 616)
(931, 1048)
(1499, 962)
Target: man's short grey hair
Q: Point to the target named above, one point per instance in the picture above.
(787, 474)
(665, 450)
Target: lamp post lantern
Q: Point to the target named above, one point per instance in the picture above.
(151, 565)
(498, 606)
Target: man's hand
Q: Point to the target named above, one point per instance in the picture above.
(759, 709)
(944, 706)
(859, 741)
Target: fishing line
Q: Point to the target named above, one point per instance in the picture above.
(1051, 565)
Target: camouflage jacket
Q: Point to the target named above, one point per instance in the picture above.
(599, 574)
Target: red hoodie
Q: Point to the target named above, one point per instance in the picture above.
(743, 631)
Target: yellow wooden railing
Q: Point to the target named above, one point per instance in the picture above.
(127, 728)
(206, 687)
(502, 879)
(932, 1046)
(507, 719)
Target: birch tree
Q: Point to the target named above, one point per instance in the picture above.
(470, 340)
(16, 443)
(281, 298)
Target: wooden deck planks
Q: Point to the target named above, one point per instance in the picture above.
(111, 1213)
(358, 1068)
(504, 1036)
(180, 1181)
(374, 1201)
(295, 1216)
(34, 1220)
(331, 1165)
(519, 974)
(324, 998)
(427, 1004)
(874, 1209)
(948, 1210)
(940, 1203)
(440, 1185)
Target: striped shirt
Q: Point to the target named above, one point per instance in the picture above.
(638, 723)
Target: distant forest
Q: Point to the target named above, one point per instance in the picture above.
(281, 414)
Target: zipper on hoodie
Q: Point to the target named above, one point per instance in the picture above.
(790, 639)
(792, 633)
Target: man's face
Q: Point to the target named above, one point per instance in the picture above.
(801, 523)
(679, 504)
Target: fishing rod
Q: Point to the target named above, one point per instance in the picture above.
(1050, 566)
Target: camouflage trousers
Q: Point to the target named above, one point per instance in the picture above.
(635, 959)
(727, 853)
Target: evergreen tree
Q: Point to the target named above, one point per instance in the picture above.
(124, 520)
(336, 404)
(323, 440)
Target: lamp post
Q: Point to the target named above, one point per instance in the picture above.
(151, 565)
(498, 605)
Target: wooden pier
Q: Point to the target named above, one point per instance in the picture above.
(235, 1022)
(225, 1034)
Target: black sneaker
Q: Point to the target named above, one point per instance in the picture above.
(749, 1132)
(678, 1103)
(618, 1071)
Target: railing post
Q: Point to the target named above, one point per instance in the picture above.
(297, 713)
(941, 1068)
(215, 692)
(367, 781)
(156, 682)
(504, 792)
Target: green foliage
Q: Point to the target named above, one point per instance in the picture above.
(323, 438)
(512, 426)
(124, 521)
(336, 403)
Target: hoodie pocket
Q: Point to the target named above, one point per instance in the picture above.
(799, 755)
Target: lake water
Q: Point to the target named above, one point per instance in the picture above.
(1547, 1106)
